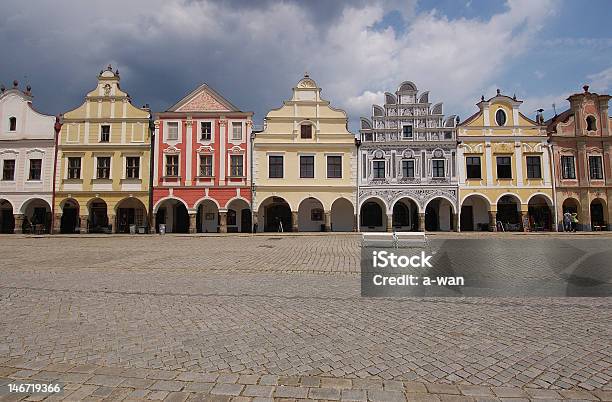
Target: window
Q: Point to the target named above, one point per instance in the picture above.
(74, 168)
(306, 166)
(504, 167)
(408, 168)
(534, 170)
(103, 169)
(334, 167)
(172, 165)
(407, 132)
(236, 165)
(275, 166)
(306, 131)
(8, 170)
(595, 168)
(236, 130)
(591, 123)
(12, 123)
(500, 117)
(378, 168)
(35, 169)
(206, 165)
(568, 169)
(472, 165)
(132, 167)
(105, 133)
(438, 168)
(231, 218)
(172, 131)
(205, 130)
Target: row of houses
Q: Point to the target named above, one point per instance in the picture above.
(109, 166)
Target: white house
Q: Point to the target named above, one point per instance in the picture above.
(27, 154)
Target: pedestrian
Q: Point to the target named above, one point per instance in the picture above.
(574, 221)
(567, 221)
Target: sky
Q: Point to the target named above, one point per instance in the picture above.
(254, 52)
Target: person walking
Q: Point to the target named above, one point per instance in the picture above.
(567, 221)
(574, 221)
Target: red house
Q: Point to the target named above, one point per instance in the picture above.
(201, 174)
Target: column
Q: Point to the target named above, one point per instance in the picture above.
(524, 218)
(355, 223)
(193, 227)
(19, 218)
(222, 221)
(455, 218)
(294, 221)
(112, 221)
(328, 221)
(493, 221)
(584, 215)
(151, 222)
(254, 221)
(57, 224)
(390, 223)
(83, 224)
(421, 221)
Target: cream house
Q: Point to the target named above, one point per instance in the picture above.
(304, 166)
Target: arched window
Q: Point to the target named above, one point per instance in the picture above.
(591, 123)
(500, 117)
(12, 123)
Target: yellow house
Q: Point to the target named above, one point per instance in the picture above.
(505, 178)
(102, 165)
(304, 166)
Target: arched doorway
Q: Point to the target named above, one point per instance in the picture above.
(508, 212)
(173, 213)
(131, 211)
(439, 215)
(98, 218)
(37, 216)
(571, 206)
(599, 214)
(7, 219)
(207, 219)
(540, 213)
(311, 216)
(475, 214)
(276, 215)
(342, 215)
(69, 222)
(405, 215)
(238, 217)
(373, 216)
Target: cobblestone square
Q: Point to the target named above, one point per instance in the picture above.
(271, 316)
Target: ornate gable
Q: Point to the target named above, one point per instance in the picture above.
(203, 99)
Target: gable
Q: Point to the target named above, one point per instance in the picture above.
(203, 99)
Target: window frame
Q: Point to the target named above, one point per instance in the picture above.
(590, 118)
(530, 173)
(600, 175)
(210, 133)
(411, 132)
(302, 176)
(505, 117)
(204, 165)
(282, 166)
(335, 174)
(572, 166)
(69, 168)
(235, 124)
(469, 175)
(376, 170)
(129, 168)
(167, 131)
(12, 124)
(497, 166)
(405, 161)
(167, 165)
(101, 138)
(302, 127)
(434, 168)
(241, 165)
(110, 164)
(13, 170)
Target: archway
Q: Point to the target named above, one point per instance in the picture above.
(37, 216)
(405, 215)
(508, 212)
(475, 213)
(439, 215)
(342, 215)
(373, 216)
(238, 216)
(69, 222)
(98, 217)
(7, 219)
(207, 218)
(599, 214)
(277, 215)
(130, 211)
(571, 206)
(173, 213)
(540, 213)
(311, 216)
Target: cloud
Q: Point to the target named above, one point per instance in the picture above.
(601, 81)
(254, 52)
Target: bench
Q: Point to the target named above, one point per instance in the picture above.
(395, 239)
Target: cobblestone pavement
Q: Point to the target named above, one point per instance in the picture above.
(278, 316)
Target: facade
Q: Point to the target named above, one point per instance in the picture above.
(581, 138)
(407, 176)
(305, 166)
(202, 178)
(505, 179)
(27, 152)
(102, 166)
